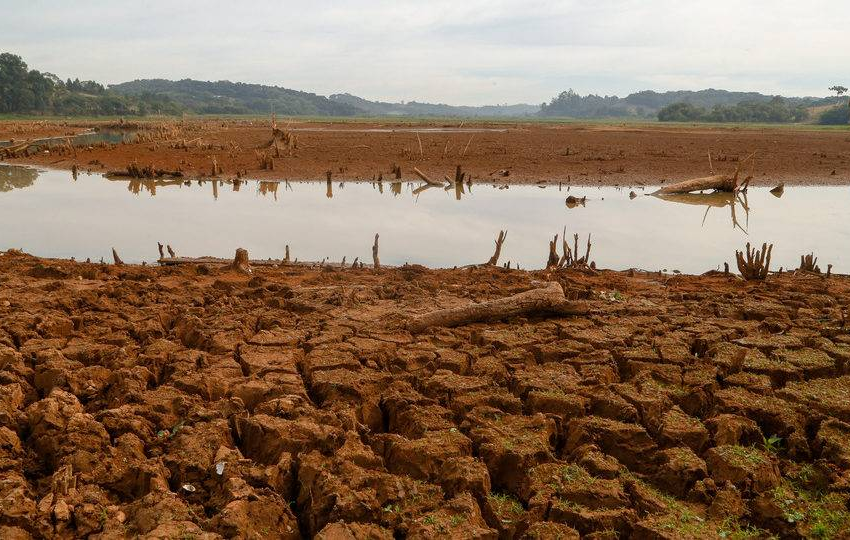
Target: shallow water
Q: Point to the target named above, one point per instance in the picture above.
(50, 214)
(111, 136)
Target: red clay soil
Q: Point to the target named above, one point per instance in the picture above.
(195, 402)
(510, 152)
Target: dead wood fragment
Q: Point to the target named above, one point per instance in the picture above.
(116, 258)
(286, 254)
(573, 201)
(160, 246)
(375, 259)
(552, 262)
(425, 177)
(547, 299)
(171, 251)
(757, 263)
(718, 182)
(499, 241)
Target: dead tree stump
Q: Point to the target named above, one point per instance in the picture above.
(499, 241)
(375, 259)
(809, 263)
(240, 261)
(116, 258)
(553, 253)
(757, 263)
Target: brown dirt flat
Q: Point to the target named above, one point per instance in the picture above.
(196, 402)
(511, 152)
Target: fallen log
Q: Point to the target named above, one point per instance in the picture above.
(220, 261)
(426, 178)
(545, 300)
(718, 182)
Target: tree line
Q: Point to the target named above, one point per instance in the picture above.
(777, 110)
(26, 91)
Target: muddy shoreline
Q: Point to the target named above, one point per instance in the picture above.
(609, 155)
(202, 402)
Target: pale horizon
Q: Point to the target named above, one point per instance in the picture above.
(480, 53)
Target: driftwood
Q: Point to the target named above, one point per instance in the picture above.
(375, 259)
(499, 241)
(553, 259)
(426, 178)
(160, 247)
(286, 254)
(116, 258)
(718, 182)
(220, 261)
(757, 263)
(171, 251)
(134, 171)
(547, 299)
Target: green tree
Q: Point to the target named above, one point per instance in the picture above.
(13, 74)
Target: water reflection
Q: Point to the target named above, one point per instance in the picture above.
(719, 199)
(16, 177)
(57, 217)
(88, 138)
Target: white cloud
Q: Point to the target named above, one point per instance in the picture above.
(473, 52)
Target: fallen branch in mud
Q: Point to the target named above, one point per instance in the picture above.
(546, 300)
(717, 182)
(14, 150)
(425, 177)
(134, 171)
(757, 264)
(499, 241)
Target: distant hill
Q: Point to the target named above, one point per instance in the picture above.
(648, 103)
(225, 97)
(415, 108)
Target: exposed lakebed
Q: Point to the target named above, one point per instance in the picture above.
(51, 214)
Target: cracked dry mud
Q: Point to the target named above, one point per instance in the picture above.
(199, 403)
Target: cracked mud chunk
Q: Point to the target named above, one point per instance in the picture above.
(749, 469)
(510, 444)
(628, 443)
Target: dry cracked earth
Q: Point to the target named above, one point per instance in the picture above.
(140, 402)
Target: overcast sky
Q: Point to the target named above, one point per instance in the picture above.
(461, 52)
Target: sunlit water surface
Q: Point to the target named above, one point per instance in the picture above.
(50, 214)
